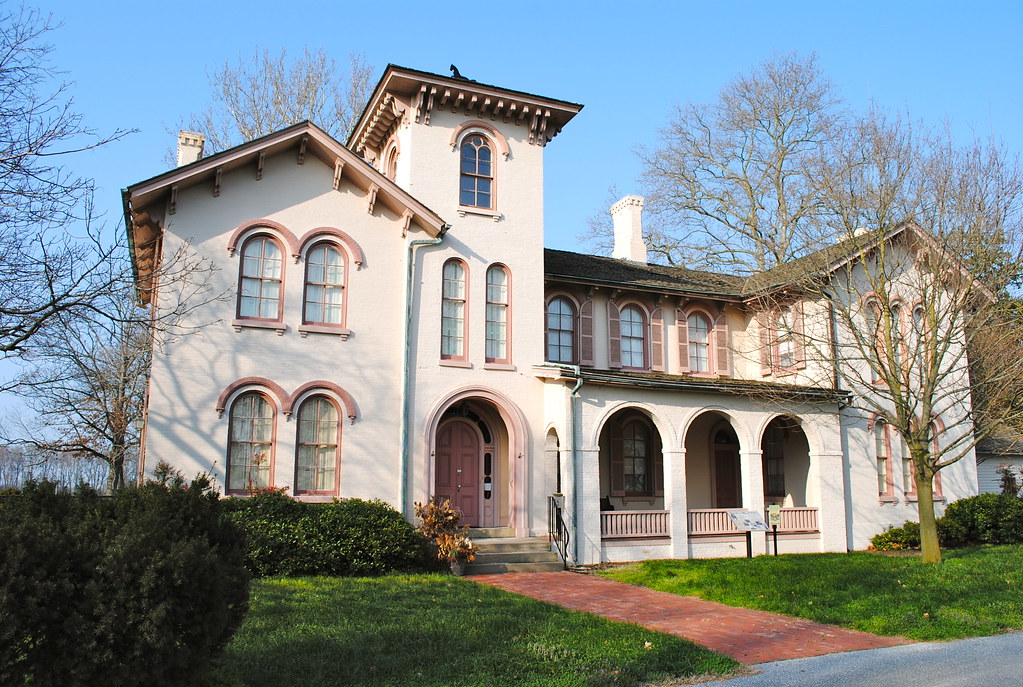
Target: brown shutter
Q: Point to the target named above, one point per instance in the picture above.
(765, 344)
(614, 335)
(658, 468)
(721, 362)
(682, 322)
(797, 335)
(657, 340)
(617, 460)
(586, 333)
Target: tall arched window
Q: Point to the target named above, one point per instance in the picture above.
(636, 458)
(477, 172)
(452, 336)
(324, 285)
(785, 341)
(250, 454)
(497, 314)
(883, 454)
(319, 437)
(259, 293)
(699, 343)
(633, 325)
(560, 331)
(897, 335)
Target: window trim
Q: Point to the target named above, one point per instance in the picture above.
(274, 411)
(877, 423)
(463, 357)
(488, 142)
(709, 343)
(316, 325)
(574, 316)
(336, 491)
(644, 335)
(243, 319)
(507, 358)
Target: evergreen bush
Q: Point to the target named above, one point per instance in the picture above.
(986, 519)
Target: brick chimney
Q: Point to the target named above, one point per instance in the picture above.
(628, 219)
(189, 147)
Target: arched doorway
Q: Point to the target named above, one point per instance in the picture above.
(726, 476)
(786, 463)
(713, 468)
(471, 463)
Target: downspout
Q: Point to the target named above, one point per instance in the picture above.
(847, 478)
(573, 397)
(407, 362)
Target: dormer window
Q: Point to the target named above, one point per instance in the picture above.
(477, 172)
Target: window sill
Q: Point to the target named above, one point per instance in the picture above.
(241, 323)
(499, 366)
(444, 362)
(912, 498)
(307, 329)
(464, 210)
(315, 497)
(887, 499)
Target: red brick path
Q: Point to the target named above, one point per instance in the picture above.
(746, 635)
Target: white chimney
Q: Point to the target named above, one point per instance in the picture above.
(189, 147)
(628, 219)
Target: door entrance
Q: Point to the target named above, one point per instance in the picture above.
(458, 469)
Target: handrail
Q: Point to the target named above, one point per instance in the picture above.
(556, 528)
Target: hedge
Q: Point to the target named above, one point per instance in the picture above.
(980, 519)
(285, 537)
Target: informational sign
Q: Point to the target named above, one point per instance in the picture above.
(748, 520)
(774, 515)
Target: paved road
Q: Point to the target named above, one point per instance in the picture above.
(985, 661)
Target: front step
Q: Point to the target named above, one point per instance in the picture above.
(502, 552)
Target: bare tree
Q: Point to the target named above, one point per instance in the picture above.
(933, 246)
(48, 270)
(731, 186)
(258, 97)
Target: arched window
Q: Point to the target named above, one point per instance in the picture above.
(390, 169)
(259, 293)
(324, 285)
(897, 335)
(633, 325)
(477, 172)
(250, 454)
(882, 454)
(636, 458)
(452, 337)
(319, 437)
(699, 343)
(560, 331)
(785, 342)
(497, 314)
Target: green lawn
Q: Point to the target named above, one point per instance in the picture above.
(973, 592)
(438, 630)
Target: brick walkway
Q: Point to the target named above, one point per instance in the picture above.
(746, 635)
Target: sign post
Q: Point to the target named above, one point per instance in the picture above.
(748, 521)
(774, 517)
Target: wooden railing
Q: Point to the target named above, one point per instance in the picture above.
(716, 521)
(622, 524)
(798, 520)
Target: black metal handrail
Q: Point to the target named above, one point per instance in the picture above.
(557, 530)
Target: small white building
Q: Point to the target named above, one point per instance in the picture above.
(392, 327)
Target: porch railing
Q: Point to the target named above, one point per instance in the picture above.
(716, 521)
(621, 524)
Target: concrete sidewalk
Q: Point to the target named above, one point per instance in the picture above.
(749, 636)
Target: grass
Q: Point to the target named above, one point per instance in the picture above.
(433, 630)
(972, 592)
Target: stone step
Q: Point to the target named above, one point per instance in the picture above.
(517, 557)
(490, 532)
(511, 544)
(495, 568)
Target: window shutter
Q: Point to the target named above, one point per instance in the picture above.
(586, 333)
(614, 328)
(797, 335)
(658, 472)
(682, 323)
(657, 340)
(617, 462)
(765, 344)
(721, 362)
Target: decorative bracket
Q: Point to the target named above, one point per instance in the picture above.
(339, 166)
(373, 188)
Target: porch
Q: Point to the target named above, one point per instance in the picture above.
(652, 524)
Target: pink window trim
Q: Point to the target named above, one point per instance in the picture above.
(337, 456)
(273, 442)
(310, 326)
(506, 360)
(889, 494)
(575, 308)
(493, 173)
(798, 352)
(313, 236)
(645, 329)
(682, 325)
(284, 400)
(477, 126)
(465, 312)
(286, 235)
(280, 287)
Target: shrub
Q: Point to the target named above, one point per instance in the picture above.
(345, 537)
(986, 519)
(898, 538)
(146, 587)
(439, 523)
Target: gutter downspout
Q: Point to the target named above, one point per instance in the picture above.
(573, 397)
(406, 363)
(847, 478)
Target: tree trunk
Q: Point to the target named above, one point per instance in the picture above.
(115, 475)
(930, 550)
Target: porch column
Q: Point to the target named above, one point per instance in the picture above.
(675, 501)
(587, 484)
(752, 470)
(831, 507)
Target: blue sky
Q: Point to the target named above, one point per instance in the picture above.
(143, 65)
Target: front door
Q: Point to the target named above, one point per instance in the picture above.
(458, 469)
